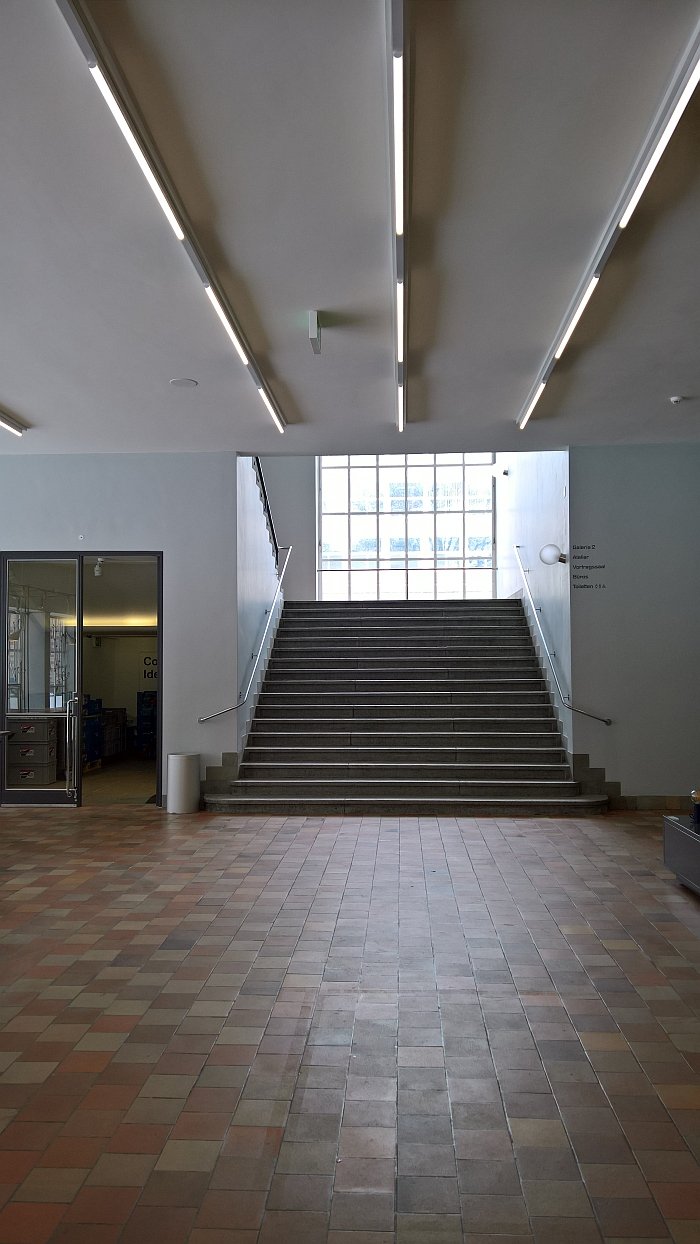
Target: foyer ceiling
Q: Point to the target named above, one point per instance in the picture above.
(271, 117)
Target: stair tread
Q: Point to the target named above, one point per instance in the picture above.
(399, 705)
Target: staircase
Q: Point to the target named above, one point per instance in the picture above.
(403, 707)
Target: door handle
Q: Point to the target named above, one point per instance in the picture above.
(71, 747)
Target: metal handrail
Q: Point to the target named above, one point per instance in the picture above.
(564, 698)
(269, 612)
(257, 467)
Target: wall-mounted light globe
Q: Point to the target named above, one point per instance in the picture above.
(550, 554)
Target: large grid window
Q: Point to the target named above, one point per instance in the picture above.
(405, 527)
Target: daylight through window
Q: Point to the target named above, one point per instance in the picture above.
(405, 527)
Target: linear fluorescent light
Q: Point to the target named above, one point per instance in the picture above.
(399, 321)
(576, 316)
(524, 418)
(401, 412)
(398, 143)
(661, 144)
(273, 413)
(10, 425)
(136, 151)
(228, 327)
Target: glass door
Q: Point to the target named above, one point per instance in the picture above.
(40, 703)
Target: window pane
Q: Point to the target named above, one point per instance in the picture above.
(334, 586)
(363, 460)
(392, 584)
(338, 460)
(363, 537)
(479, 534)
(479, 490)
(392, 535)
(450, 584)
(363, 490)
(392, 488)
(334, 491)
(449, 458)
(448, 488)
(418, 459)
(421, 584)
(420, 488)
(421, 533)
(448, 539)
(478, 583)
(363, 585)
(478, 458)
(335, 538)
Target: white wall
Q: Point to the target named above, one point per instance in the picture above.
(291, 489)
(181, 504)
(635, 638)
(257, 582)
(532, 509)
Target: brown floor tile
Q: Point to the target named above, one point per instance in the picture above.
(293, 1227)
(148, 1092)
(102, 1205)
(231, 1210)
(362, 1211)
(621, 1216)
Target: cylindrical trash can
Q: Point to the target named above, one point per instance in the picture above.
(183, 782)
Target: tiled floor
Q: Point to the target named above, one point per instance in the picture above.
(247, 1031)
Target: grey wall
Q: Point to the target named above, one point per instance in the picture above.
(291, 488)
(256, 578)
(532, 509)
(635, 638)
(180, 504)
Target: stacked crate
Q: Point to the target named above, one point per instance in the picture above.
(113, 732)
(31, 758)
(146, 723)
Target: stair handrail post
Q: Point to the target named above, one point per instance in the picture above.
(565, 699)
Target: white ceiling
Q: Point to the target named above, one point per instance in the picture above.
(271, 117)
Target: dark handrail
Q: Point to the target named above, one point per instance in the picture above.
(257, 467)
(607, 721)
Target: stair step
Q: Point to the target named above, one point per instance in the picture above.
(329, 789)
(404, 708)
(402, 687)
(411, 753)
(399, 769)
(404, 727)
(458, 667)
(295, 706)
(431, 806)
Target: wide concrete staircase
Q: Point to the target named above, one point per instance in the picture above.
(402, 707)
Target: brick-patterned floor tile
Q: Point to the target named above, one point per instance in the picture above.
(243, 1030)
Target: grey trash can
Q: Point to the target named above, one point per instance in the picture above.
(183, 782)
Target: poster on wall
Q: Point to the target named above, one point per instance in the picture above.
(148, 664)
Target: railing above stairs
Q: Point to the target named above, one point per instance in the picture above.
(270, 611)
(563, 696)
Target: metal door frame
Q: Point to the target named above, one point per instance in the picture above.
(47, 796)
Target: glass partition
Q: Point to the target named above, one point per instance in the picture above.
(41, 675)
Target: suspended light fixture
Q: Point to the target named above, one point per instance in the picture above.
(115, 97)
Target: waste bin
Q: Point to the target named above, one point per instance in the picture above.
(183, 782)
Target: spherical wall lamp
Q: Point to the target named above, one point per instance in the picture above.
(550, 554)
